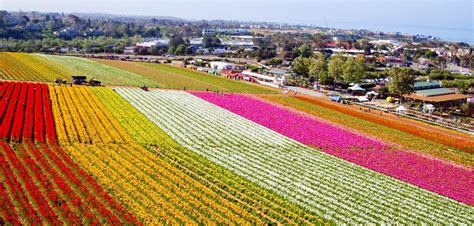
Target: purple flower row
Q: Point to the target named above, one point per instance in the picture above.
(428, 173)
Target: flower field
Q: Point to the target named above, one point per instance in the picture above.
(466, 145)
(171, 77)
(46, 68)
(220, 180)
(106, 74)
(223, 84)
(40, 183)
(404, 139)
(328, 186)
(140, 178)
(124, 156)
(25, 112)
(428, 173)
(29, 67)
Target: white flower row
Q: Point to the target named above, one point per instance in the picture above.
(331, 187)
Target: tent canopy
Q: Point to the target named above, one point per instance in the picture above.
(356, 87)
(429, 107)
(372, 93)
(362, 99)
(401, 108)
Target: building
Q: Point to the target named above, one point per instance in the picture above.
(391, 61)
(276, 72)
(239, 41)
(158, 43)
(432, 92)
(130, 50)
(222, 66)
(69, 32)
(248, 75)
(236, 31)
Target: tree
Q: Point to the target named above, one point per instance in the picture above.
(211, 41)
(304, 50)
(325, 79)
(301, 51)
(180, 49)
(335, 67)
(430, 54)
(173, 44)
(301, 65)
(401, 81)
(353, 70)
(384, 91)
(275, 61)
(319, 68)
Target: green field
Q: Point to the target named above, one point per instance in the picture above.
(106, 74)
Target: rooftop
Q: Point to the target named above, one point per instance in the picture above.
(434, 92)
(277, 71)
(425, 85)
(438, 99)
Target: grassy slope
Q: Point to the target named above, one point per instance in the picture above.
(222, 83)
(376, 130)
(164, 80)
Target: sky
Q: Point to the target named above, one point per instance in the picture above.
(452, 20)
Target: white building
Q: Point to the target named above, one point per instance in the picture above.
(237, 31)
(154, 43)
(258, 76)
(222, 66)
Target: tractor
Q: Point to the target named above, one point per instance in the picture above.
(144, 88)
(60, 81)
(94, 82)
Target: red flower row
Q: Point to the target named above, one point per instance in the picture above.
(30, 188)
(59, 156)
(25, 112)
(7, 109)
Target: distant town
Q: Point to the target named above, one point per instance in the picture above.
(361, 66)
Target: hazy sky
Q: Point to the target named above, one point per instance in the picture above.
(391, 15)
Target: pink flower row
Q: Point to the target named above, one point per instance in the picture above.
(431, 174)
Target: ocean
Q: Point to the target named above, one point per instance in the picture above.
(444, 33)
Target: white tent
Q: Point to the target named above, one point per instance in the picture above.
(401, 110)
(356, 87)
(372, 93)
(362, 99)
(428, 108)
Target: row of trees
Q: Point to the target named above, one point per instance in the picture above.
(337, 69)
(86, 45)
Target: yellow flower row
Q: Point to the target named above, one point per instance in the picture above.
(195, 192)
(111, 127)
(141, 204)
(65, 125)
(133, 121)
(28, 67)
(80, 118)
